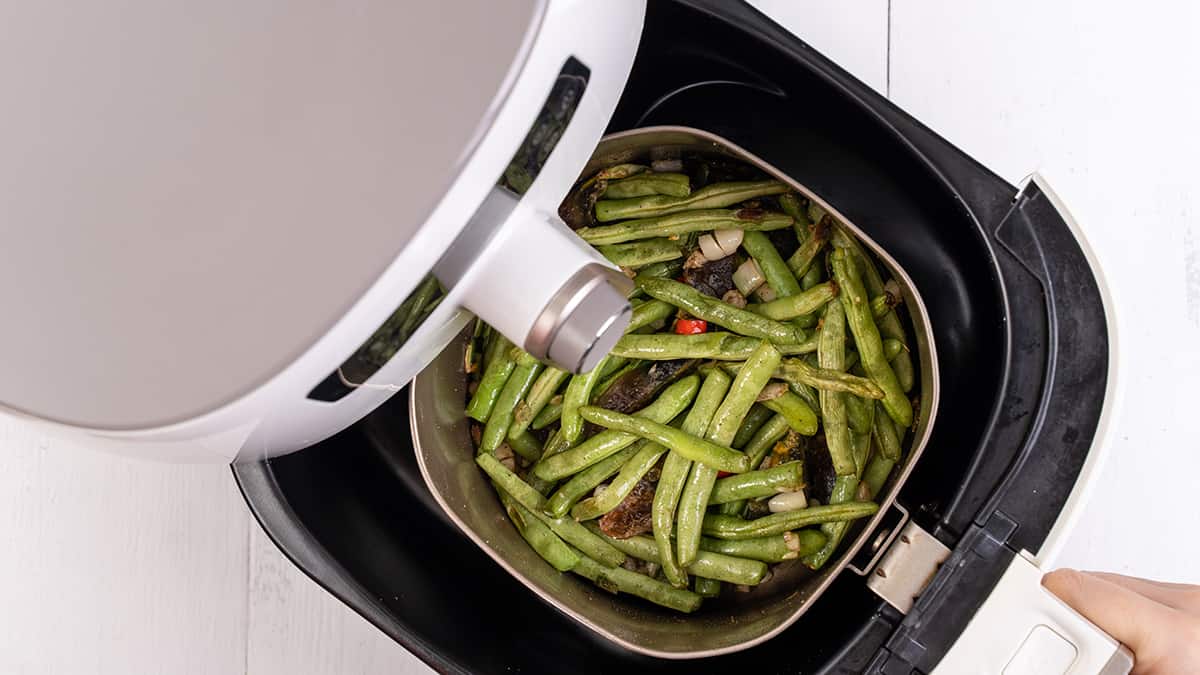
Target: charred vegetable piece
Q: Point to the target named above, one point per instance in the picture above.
(637, 388)
(632, 515)
(714, 278)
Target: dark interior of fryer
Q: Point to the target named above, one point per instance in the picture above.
(354, 513)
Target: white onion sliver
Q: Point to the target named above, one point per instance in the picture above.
(710, 248)
(788, 501)
(766, 293)
(667, 165)
(728, 240)
(748, 277)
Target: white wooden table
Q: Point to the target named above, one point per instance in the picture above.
(109, 565)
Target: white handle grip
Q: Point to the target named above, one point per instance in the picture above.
(1023, 629)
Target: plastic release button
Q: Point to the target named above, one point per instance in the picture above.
(1044, 652)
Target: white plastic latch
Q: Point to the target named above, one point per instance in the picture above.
(1023, 629)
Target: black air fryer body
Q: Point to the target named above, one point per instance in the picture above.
(1022, 347)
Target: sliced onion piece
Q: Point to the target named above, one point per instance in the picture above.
(728, 240)
(766, 293)
(748, 277)
(710, 248)
(788, 501)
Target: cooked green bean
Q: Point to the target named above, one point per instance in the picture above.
(866, 336)
(648, 313)
(675, 473)
(694, 448)
(879, 468)
(885, 435)
(649, 183)
(710, 565)
(889, 325)
(544, 388)
(611, 374)
(774, 269)
(620, 487)
(715, 196)
(732, 527)
(808, 395)
(831, 355)
(707, 588)
(766, 438)
(527, 446)
(640, 253)
(891, 348)
(811, 247)
(572, 532)
(857, 414)
(585, 481)
(501, 365)
(661, 270)
(761, 483)
(539, 536)
(712, 310)
(619, 579)
(844, 489)
(549, 414)
(799, 416)
(717, 345)
(795, 206)
(814, 276)
(860, 444)
(684, 223)
(757, 416)
(672, 401)
(579, 393)
(881, 305)
(769, 549)
(796, 370)
(790, 307)
(522, 378)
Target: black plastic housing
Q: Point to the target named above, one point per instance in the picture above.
(1021, 339)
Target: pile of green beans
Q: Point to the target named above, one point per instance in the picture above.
(820, 364)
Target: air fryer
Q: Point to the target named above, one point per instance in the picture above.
(1023, 349)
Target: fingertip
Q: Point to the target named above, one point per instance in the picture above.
(1064, 582)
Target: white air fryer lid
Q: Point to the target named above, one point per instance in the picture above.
(193, 193)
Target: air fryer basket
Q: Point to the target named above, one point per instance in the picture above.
(1021, 349)
(736, 621)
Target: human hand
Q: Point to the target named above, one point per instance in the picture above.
(1159, 622)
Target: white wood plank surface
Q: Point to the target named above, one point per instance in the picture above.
(1103, 98)
(113, 565)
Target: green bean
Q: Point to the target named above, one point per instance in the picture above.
(640, 253)
(684, 223)
(675, 473)
(707, 588)
(499, 367)
(774, 269)
(814, 276)
(723, 314)
(762, 483)
(572, 532)
(808, 395)
(885, 435)
(579, 393)
(769, 549)
(732, 527)
(522, 378)
(765, 439)
(799, 416)
(672, 401)
(549, 414)
(717, 345)
(889, 325)
(876, 474)
(811, 247)
(794, 205)
(891, 348)
(881, 305)
(668, 269)
(710, 565)
(649, 313)
(544, 388)
(866, 336)
(619, 579)
(694, 448)
(619, 171)
(527, 446)
(611, 375)
(790, 307)
(648, 183)
(860, 444)
(715, 196)
(539, 536)
(620, 487)
(757, 416)
(585, 481)
(831, 355)
(857, 414)
(844, 489)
